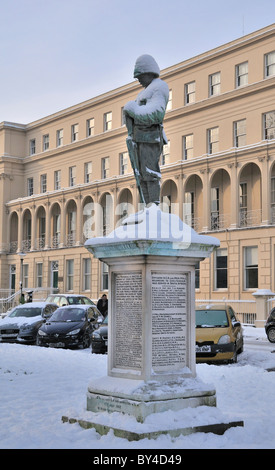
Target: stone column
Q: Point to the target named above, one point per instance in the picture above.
(262, 306)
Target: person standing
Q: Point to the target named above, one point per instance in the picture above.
(102, 305)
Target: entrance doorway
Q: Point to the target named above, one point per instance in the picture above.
(54, 274)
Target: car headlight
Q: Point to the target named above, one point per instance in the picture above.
(225, 339)
(26, 327)
(42, 333)
(73, 332)
(95, 335)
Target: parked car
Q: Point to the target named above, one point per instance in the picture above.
(69, 299)
(219, 334)
(69, 326)
(270, 326)
(100, 338)
(22, 323)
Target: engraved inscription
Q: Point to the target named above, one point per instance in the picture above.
(128, 320)
(169, 317)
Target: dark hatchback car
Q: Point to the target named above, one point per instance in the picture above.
(22, 323)
(270, 326)
(69, 326)
(100, 338)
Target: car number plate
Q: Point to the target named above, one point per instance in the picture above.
(106, 343)
(9, 335)
(205, 348)
(56, 345)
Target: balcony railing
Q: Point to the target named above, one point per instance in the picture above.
(219, 221)
(13, 247)
(70, 239)
(26, 245)
(250, 218)
(55, 241)
(39, 243)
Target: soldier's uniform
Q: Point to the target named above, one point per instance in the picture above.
(146, 115)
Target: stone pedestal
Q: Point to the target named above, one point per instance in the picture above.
(151, 319)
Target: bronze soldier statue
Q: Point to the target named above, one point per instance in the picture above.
(144, 122)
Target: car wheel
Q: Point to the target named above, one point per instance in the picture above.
(271, 335)
(86, 341)
(234, 359)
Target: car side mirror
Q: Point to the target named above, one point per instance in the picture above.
(236, 323)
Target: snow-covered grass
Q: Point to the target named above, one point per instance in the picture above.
(39, 385)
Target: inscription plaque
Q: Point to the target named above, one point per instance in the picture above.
(169, 318)
(128, 320)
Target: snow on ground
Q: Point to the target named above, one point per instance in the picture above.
(39, 385)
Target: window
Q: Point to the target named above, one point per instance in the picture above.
(240, 133)
(123, 119)
(165, 157)
(57, 179)
(43, 183)
(105, 162)
(30, 186)
(189, 208)
(241, 74)
(221, 268)
(215, 84)
(46, 142)
(90, 127)
(32, 146)
(72, 175)
(187, 146)
(215, 208)
(123, 163)
(243, 203)
(56, 230)
(213, 140)
(107, 121)
(272, 200)
(59, 137)
(169, 104)
(70, 274)
(197, 275)
(104, 272)
(273, 190)
(74, 131)
(270, 64)
(25, 276)
(269, 125)
(189, 92)
(39, 274)
(87, 273)
(88, 172)
(250, 267)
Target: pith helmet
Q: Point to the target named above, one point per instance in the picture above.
(146, 64)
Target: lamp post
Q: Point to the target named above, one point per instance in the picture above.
(22, 256)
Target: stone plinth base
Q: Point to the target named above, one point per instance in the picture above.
(175, 424)
(140, 399)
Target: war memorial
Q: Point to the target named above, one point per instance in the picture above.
(151, 320)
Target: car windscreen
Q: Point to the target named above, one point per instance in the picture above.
(68, 314)
(79, 300)
(211, 318)
(25, 312)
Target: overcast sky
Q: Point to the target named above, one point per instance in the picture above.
(57, 53)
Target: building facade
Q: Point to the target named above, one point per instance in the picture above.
(67, 177)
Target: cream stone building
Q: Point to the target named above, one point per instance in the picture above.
(66, 177)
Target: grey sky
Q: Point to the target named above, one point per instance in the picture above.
(57, 53)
